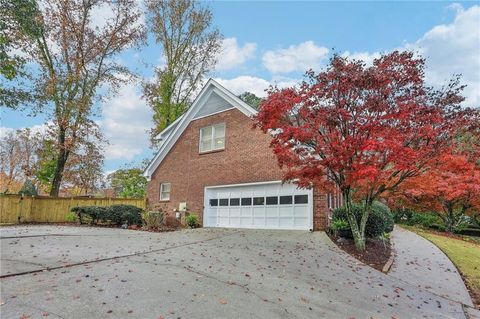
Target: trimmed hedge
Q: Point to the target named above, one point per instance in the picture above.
(92, 213)
(380, 219)
(469, 232)
(115, 214)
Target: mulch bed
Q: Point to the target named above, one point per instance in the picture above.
(376, 252)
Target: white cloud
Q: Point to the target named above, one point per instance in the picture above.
(254, 85)
(364, 56)
(232, 55)
(306, 55)
(126, 119)
(454, 49)
(37, 128)
(449, 49)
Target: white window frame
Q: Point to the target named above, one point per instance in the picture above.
(161, 191)
(212, 143)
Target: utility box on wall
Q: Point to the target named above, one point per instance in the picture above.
(182, 207)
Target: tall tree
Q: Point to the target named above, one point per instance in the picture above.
(16, 23)
(84, 170)
(75, 56)
(184, 30)
(449, 189)
(128, 182)
(251, 99)
(363, 130)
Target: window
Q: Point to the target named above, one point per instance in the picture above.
(246, 201)
(285, 200)
(258, 200)
(272, 200)
(223, 201)
(234, 201)
(212, 138)
(165, 191)
(214, 202)
(334, 200)
(301, 199)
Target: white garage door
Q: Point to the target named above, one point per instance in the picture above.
(269, 205)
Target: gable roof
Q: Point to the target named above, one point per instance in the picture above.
(170, 135)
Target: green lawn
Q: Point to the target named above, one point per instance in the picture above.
(463, 252)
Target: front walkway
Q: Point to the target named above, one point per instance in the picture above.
(422, 264)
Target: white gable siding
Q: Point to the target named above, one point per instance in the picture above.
(212, 105)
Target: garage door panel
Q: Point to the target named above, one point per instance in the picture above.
(260, 222)
(234, 221)
(271, 222)
(246, 211)
(271, 205)
(223, 221)
(271, 212)
(259, 212)
(234, 212)
(222, 212)
(286, 211)
(285, 222)
(300, 212)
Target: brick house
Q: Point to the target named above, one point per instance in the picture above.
(212, 163)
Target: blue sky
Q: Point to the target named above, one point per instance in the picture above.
(275, 42)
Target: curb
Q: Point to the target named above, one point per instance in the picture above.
(389, 262)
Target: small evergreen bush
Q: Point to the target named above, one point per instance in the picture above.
(380, 219)
(90, 213)
(192, 220)
(115, 214)
(119, 214)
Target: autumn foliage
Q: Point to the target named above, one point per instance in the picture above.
(450, 189)
(361, 129)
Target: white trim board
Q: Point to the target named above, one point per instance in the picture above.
(181, 125)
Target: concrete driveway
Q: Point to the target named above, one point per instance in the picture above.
(203, 273)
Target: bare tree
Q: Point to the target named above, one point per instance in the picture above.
(75, 60)
(190, 44)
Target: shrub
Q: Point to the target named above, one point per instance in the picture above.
(438, 227)
(71, 218)
(380, 219)
(91, 213)
(470, 232)
(383, 209)
(28, 189)
(424, 219)
(119, 214)
(153, 219)
(192, 220)
(116, 214)
(340, 223)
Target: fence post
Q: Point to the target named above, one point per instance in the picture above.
(32, 210)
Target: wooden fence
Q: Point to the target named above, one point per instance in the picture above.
(15, 209)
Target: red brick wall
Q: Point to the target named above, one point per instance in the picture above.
(246, 158)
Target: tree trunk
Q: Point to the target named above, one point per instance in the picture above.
(358, 233)
(60, 167)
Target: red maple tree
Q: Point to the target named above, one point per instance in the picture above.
(362, 129)
(449, 189)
